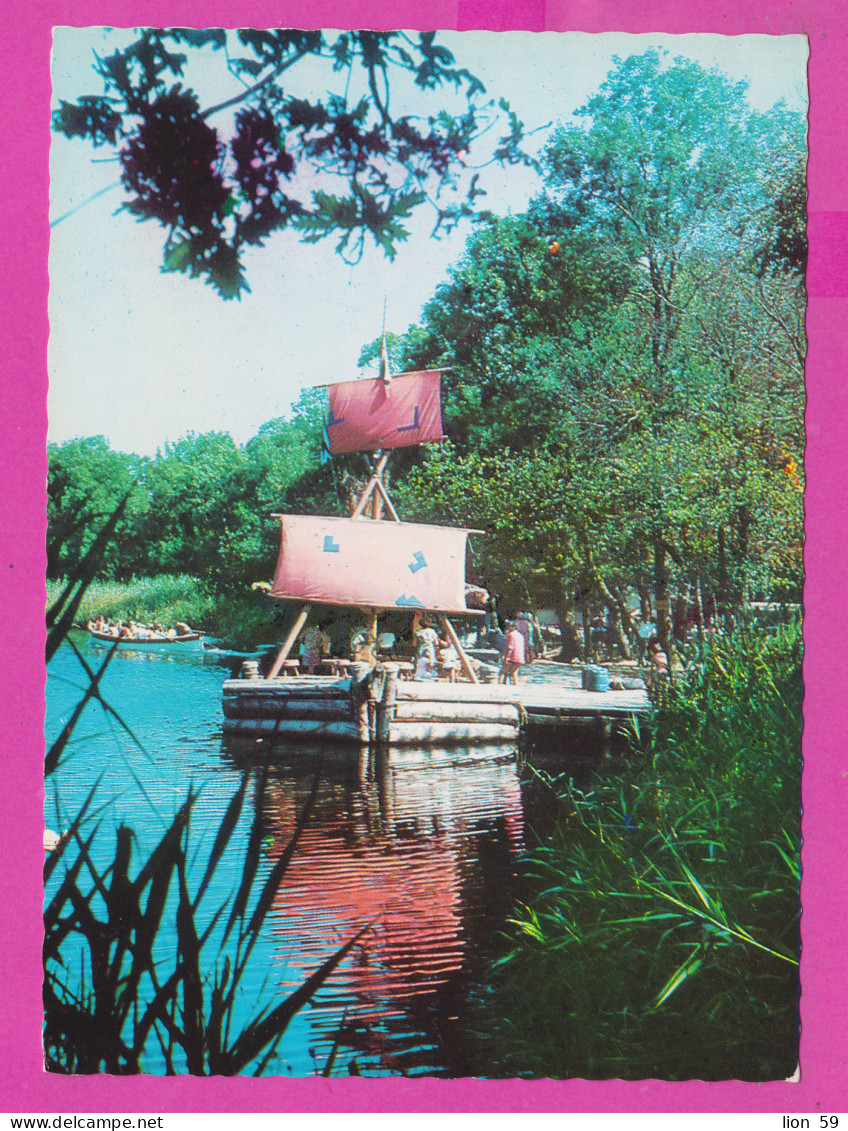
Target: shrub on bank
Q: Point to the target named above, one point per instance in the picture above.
(661, 938)
(163, 599)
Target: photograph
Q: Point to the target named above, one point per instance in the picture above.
(424, 554)
(423, 516)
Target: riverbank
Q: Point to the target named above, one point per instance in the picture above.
(239, 621)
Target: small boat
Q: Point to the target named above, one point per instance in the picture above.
(187, 642)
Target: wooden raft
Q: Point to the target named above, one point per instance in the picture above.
(376, 708)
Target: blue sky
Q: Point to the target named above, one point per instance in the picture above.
(143, 357)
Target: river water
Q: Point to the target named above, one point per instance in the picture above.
(420, 848)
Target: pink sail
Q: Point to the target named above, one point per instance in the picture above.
(378, 565)
(367, 415)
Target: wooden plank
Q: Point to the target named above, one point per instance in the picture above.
(421, 711)
(408, 733)
(370, 485)
(435, 691)
(289, 641)
(294, 729)
(316, 686)
(317, 710)
(382, 489)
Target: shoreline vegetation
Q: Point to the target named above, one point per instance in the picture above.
(240, 622)
(623, 394)
(661, 936)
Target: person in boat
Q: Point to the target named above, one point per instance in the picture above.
(426, 649)
(514, 655)
(182, 628)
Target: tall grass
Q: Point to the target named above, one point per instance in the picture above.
(119, 997)
(164, 599)
(661, 938)
(240, 620)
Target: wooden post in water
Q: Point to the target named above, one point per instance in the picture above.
(282, 655)
(359, 679)
(454, 639)
(386, 706)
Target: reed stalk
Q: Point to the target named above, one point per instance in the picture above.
(661, 935)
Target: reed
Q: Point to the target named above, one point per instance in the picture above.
(239, 620)
(116, 998)
(660, 938)
(164, 599)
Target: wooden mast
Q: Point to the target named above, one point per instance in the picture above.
(282, 655)
(375, 491)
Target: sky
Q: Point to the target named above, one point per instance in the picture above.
(143, 357)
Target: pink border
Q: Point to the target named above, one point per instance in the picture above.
(25, 40)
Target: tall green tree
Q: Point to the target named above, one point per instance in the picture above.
(646, 316)
(86, 482)
(672, 169)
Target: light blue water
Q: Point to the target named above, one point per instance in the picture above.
(417, 847)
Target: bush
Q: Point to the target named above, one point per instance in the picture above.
(242, 620)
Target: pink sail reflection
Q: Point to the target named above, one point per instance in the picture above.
(403, 860)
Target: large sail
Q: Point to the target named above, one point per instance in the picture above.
(367, 415)
(379, 565)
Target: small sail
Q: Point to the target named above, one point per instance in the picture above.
(379, 565)
(369, 415)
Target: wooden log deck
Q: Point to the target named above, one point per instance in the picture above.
(385, 710)
(546, 704)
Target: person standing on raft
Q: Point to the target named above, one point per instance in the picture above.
(515, 655)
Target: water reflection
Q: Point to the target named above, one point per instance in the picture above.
(418, 848)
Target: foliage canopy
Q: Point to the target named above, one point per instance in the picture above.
(345, 165)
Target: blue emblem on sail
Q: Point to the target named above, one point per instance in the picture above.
(330, 547)
(417, 562)
(333, 419)
(416, 423)
(405, 602)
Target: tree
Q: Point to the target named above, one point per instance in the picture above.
(346, 165)
(85, 483)
(637, 337)
(673, 170)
